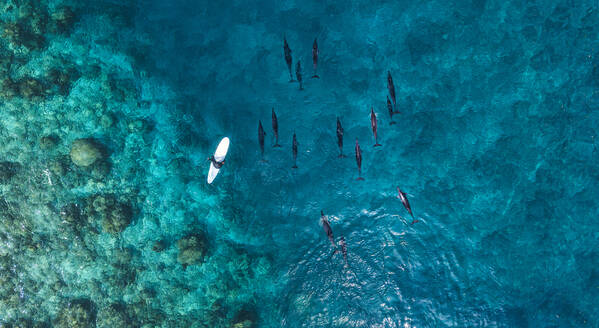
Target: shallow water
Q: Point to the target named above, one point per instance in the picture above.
(494, 147)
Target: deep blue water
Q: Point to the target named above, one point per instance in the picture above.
(494, 147)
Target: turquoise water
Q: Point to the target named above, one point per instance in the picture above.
(109, 109)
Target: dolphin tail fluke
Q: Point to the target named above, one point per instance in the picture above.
(391, 123)
(396, 112)
(377, 144)
(315, 76)
(276, 145)
(294, 166)
(360, 179)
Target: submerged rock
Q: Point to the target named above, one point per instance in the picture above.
(192, 249)
(115, 215)
(62, 80)
(18, 35)
(138, 126)
(25, 323)
(71, 213)
(48, 142)
(28, 87)
(58, 166)
(78, 313)
(85, 152)
(31, 88)
(159, 246)
(7, 171)
(63, 19)
(100, 169)
(106, 120)
(9, 89)
(244, 319)
(113, 316)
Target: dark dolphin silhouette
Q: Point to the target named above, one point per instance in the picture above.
(374, 126)
(340, 137)
(275, 128)
(404, 200)
(315, 58)
(359, 160)
(288, 58)
(261, 135)
(327, 228)
(391, 88)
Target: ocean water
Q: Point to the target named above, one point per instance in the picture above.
(109, 110)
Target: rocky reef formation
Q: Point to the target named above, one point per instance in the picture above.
(114, 315)
(77, 313)
(113, 214)
(7, 171)
(245, 318)
(85, 152)
(192, 249)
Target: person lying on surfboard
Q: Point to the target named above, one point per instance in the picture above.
(216, 163)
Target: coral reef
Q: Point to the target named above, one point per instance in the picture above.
(159, 246)
(77, 313)
(63, 19)
(25, 323)
(8, 170)
(114, 316)
(114, 215)
(244, 319)
(28, 88)
(71, 213)
(48, 142)
(62, 79)
(85, 152)
(18, 35)
(192, 249)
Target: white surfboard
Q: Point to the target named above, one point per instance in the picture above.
(219, 156)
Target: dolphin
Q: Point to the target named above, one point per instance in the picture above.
(359, 160)
(327, 228)
(298, 74)
(315, 58)
(340, 137)
(288, 58)
(294, 148)
(404, 200)
(374, 126)
(391, 88)
(275, 128)
(261, 135)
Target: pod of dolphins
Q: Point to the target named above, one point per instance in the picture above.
(391, 107)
